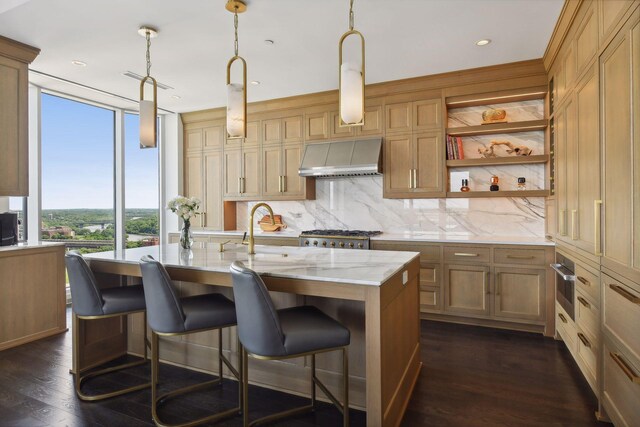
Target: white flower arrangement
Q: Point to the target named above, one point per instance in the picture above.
(185, 207)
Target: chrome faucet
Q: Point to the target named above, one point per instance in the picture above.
(251, 249)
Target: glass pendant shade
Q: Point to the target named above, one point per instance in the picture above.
(147, 124)
(351, 93)
(236, 109)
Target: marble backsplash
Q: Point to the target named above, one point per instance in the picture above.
(357, 203)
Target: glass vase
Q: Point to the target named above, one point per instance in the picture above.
(186, 237)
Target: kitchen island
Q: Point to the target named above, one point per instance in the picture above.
(374, 293)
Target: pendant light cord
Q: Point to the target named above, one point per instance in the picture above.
(350, 15)
(148, 33)
(235, 26)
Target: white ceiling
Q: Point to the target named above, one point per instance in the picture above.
(404, 38)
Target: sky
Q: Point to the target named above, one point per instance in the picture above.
(78, 158)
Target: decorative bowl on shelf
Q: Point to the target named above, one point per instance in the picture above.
(494, 115)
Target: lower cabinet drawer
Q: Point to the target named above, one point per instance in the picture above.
(621, 313)
(467, 254)
(518, 256)
(621, 390)
(430, 299)
(566, 328)
(587, 355)
(588, 282)
(587, 315)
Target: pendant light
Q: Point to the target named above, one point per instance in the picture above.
(148, 109)
(351, 80)
(236, 92)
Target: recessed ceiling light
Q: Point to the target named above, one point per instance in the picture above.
(176, 96)
(255, 82)
(269, 42)
(483, 42)
(79, 63)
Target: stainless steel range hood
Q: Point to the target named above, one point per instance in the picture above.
(342, 158)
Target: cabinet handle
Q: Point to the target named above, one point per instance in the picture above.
(410, 178)
(284, 183)
(626, 294)
(625, 368)
(465, 254)
(243, 186)
(486, 278)
(415, 178)
(279, 183)
(583, 281)
(584, 302)
(203, 219)
(239, 185)
(561, 316)
(574, 214)
(597, 217)
(584, 340)
(520, 256)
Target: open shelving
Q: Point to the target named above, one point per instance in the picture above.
(526, 124)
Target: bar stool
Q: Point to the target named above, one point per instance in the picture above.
(89, 302)
(270, 334)
(170, 315)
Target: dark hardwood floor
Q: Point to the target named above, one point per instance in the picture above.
(471, 376)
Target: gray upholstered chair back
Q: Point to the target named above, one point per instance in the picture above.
(164, 311)
(258, 322)
(85, 294)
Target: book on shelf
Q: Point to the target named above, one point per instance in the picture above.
(455, 150)
(460, 149)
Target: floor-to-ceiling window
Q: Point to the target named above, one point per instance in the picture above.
(78, 141)
(141, 189)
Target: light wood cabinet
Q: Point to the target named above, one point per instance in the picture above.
(280, 178)
(373, 119)
(316, 126)
(620, 109)
(587, 38)
(413, 165)
(337, 131)
(519, 293)
(430, 289)
(232, 164)
(32, 294)
(578, 164)
(287, 129)
(414, 116)
(466, 290)
(14, 113)
(203, 174)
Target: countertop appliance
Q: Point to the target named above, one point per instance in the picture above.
(346, 239)
(8, 228)
(565, 283)
(342, 158)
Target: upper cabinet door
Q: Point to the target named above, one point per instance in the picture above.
(316, 126)
(587, 39)
(428, 163)
(635, 41)
(588, 161)
(398, 117)
(194, 140)
(271, 131)
(292, 129)
(616, 67)
(250, 172)
(213, 137)
(398, 165)
(373, 121)
(271, 170)
(194, 179)
(213, 213)
(610, 13)
(232, 163)
(292, 183)
(253, 133)
(427, 115)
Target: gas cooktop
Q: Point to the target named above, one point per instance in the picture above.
(340, 233)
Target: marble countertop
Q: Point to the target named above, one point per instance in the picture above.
(329, 265)
(410, 236)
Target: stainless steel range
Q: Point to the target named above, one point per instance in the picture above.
(347, 239)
